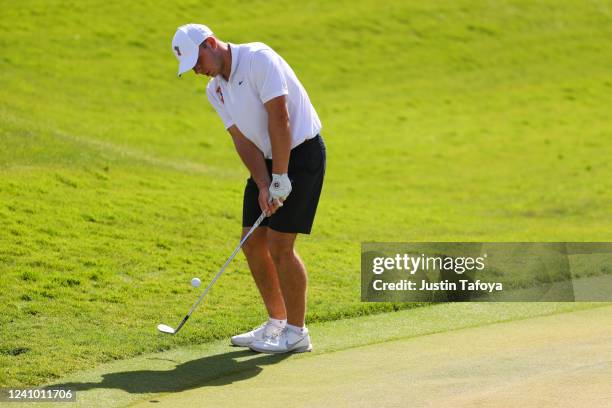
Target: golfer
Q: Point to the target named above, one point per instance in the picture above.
(275, 130)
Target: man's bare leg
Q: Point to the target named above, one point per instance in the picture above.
(291, 273)
(264, 272)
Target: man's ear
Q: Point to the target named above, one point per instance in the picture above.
(211, 42)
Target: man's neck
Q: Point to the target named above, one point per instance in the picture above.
(227, 63)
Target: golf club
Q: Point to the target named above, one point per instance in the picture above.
(169, 330)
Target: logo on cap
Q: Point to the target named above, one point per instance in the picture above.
(178, 51)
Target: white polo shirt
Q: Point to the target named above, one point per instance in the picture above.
(259, 74)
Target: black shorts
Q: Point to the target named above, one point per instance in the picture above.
(306, 171)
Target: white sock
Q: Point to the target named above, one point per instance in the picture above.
(297, 329)
(280, 323)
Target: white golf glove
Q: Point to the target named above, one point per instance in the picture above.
(280, 186)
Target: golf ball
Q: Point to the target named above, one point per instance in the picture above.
(195, 282)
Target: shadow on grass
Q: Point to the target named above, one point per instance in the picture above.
(215, 370)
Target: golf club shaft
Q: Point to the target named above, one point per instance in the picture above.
(242, 241)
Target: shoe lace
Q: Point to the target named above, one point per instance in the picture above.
(275, 332)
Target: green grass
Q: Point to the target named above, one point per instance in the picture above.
(150, 376)
(470, 120)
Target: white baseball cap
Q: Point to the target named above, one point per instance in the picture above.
(186, 42)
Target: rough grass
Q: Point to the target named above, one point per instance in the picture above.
(470, 120)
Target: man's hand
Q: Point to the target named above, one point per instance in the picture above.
(280, 188)
(266, 204)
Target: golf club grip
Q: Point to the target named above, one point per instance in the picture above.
(248, 234)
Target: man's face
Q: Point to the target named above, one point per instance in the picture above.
(208, 63)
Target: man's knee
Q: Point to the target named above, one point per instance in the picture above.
(281, 246)
(255, 244)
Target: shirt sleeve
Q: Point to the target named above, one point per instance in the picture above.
(267, 75)
(215, 97)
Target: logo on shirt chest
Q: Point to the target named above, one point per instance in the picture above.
(218, 91)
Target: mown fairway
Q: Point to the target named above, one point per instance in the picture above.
(465, 120)
(422, 353)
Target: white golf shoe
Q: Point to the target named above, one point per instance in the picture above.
(262, 332)
(286, 341)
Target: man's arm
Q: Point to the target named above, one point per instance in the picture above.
(280, 133)
(251, 156)
(254, 161)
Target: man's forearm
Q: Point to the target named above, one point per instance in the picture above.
(280, 138)
(252, 158)
(254, 161)
(280, 134)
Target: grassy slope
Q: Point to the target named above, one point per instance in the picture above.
(470, 121)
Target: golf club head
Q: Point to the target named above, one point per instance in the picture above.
(169, 330)
(165, 329)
